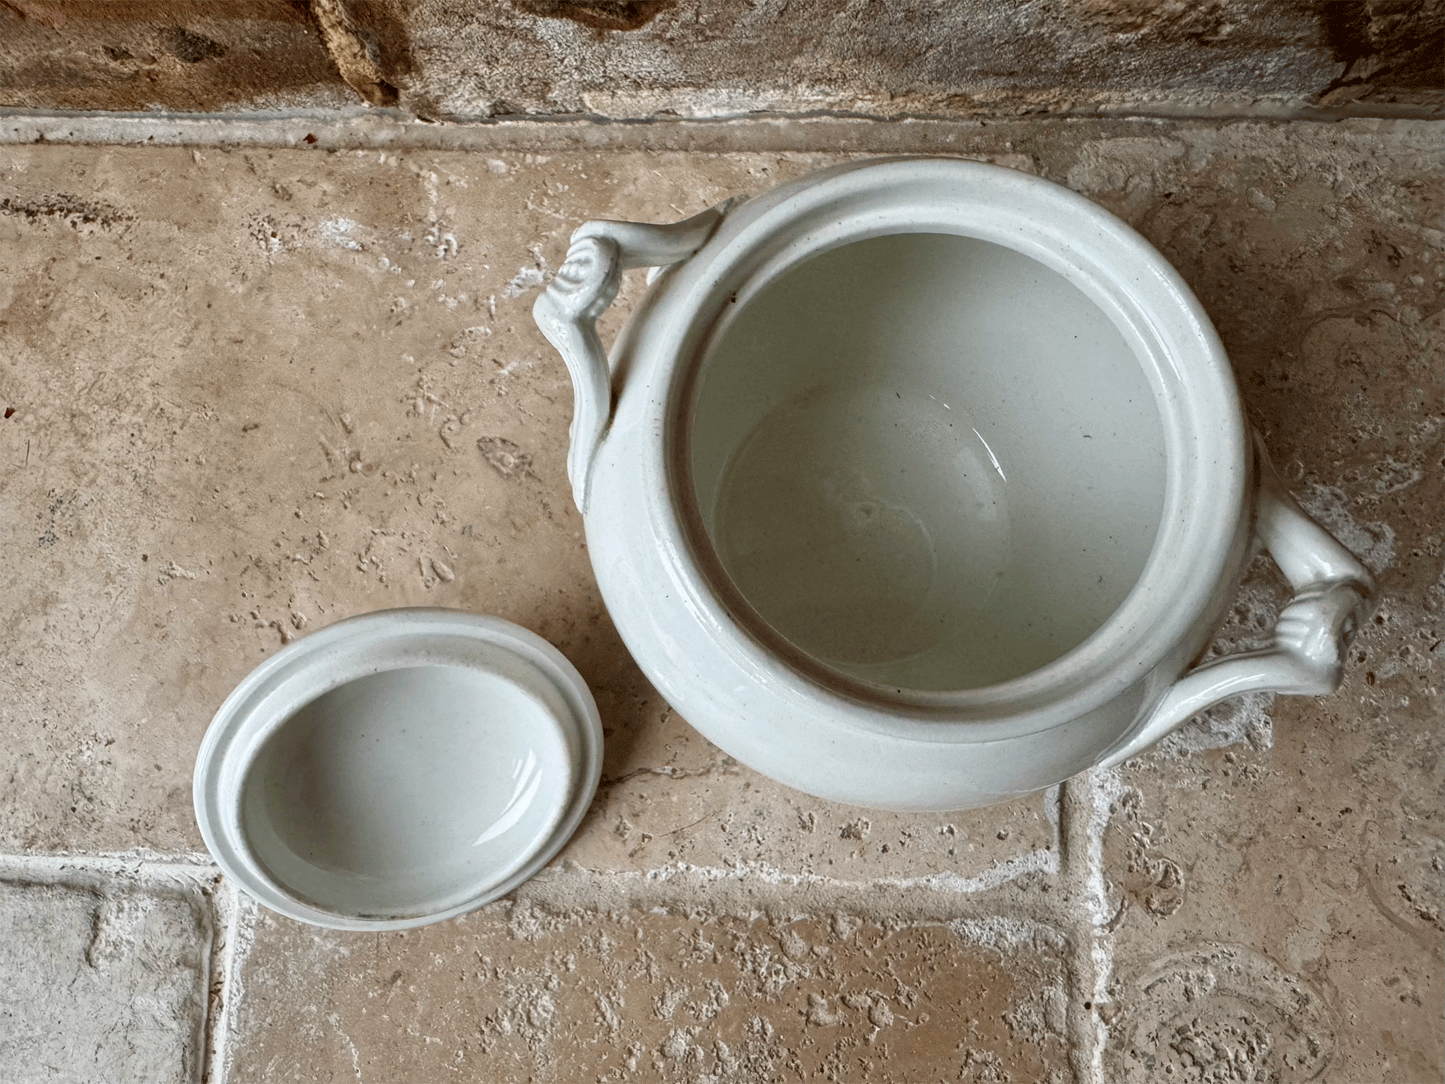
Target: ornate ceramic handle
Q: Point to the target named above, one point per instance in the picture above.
(1332, 597)
(584, 286)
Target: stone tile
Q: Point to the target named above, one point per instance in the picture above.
(1282, 905)
(254, 394)
(520, 993)
(105, 982)
(1279, 865)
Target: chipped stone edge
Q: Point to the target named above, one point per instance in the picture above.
(392, 129)
(239, 915)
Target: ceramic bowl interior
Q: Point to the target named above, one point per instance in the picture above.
(927, 461)
(398, 793)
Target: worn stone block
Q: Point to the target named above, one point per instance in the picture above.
(705, 58)
(1278, 867)
(103, 982)
(522, 993)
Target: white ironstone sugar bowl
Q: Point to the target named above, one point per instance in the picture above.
(919, 484)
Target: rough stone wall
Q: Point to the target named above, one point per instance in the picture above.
(458, 59)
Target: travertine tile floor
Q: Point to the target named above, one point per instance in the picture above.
(250, 392)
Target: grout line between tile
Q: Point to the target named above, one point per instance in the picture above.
(1084, 816)
(238, 914)
(186, 870)
(395, 130)
(750, 889)
(1000, 873)
(995, 905)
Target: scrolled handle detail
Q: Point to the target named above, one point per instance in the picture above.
(568, 310)
(1333, 594)
(588, 280)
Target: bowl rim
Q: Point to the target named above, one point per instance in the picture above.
(1207, 470)
(356, 647)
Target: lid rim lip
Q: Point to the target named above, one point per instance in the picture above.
(223, 757)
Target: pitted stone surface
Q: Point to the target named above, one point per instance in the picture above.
(105, 982)
(1218, 1012)
(521, 993)
(1319, 850)
(1309, 832)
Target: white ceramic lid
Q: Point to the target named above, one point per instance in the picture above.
(398, 768)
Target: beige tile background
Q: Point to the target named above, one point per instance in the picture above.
(257, 391)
